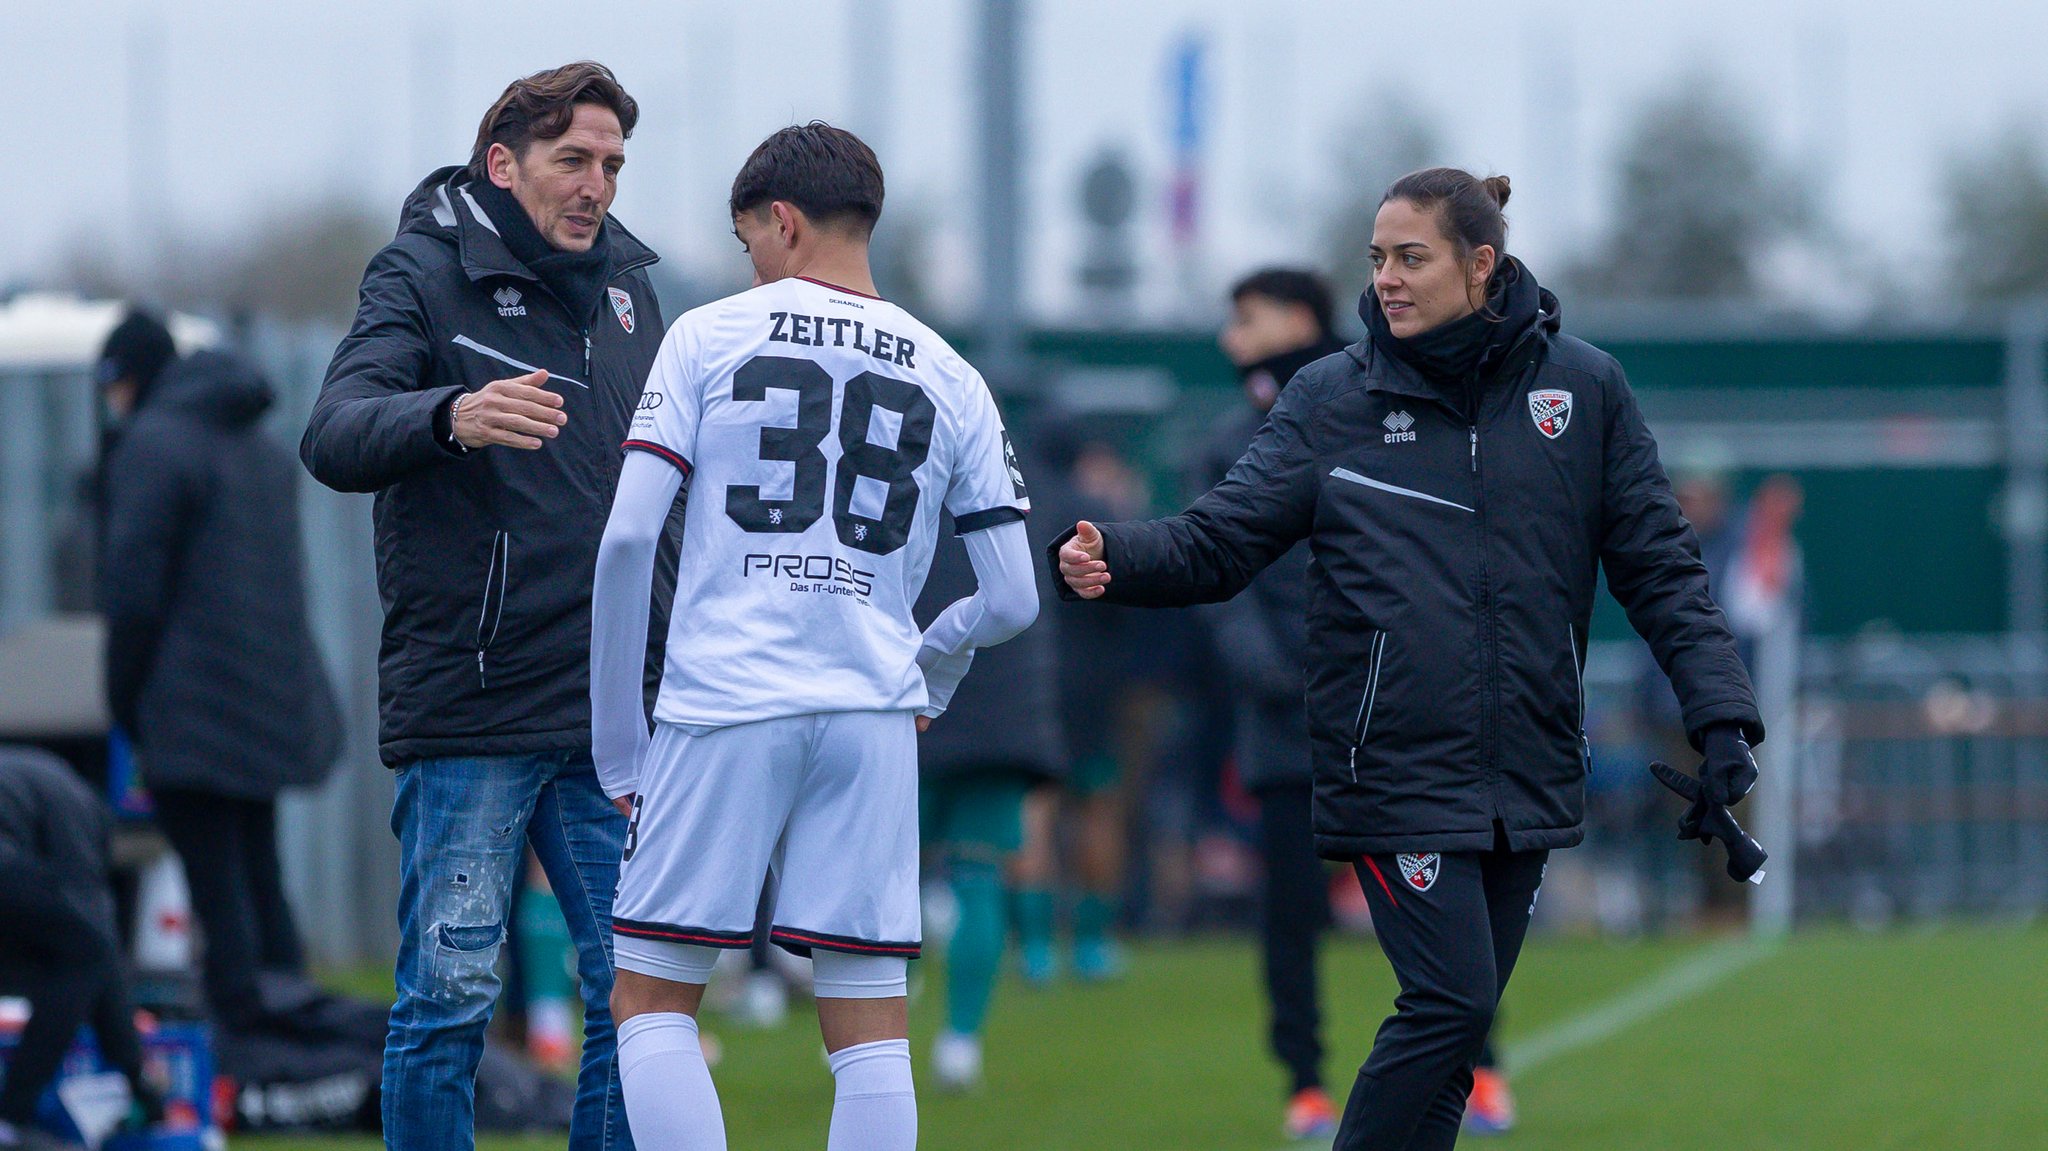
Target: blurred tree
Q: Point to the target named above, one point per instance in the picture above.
(1393, 138)
(303, 263)
(1699, 201)
(1997, 207)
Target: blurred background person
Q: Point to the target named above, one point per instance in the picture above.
(60, 948)
(211, 668)
(999, 738)
(1110, 712)
(545, 971)
(1280, 321)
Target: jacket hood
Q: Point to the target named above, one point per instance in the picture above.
(442, 207)
(221, 389)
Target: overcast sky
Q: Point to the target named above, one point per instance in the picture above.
(206, 117)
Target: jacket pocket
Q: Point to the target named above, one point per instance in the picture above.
(491, 611)
(1367, 698)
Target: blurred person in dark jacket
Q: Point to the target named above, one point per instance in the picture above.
(1000, 738)
(499, 349)
(60, 948)
(211, 669)
(1279, 323)
(1109, 714)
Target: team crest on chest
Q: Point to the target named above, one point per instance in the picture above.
(1552, 411)
(622, 307)
(1419, 871)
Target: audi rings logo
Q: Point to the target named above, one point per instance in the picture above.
(649, 401)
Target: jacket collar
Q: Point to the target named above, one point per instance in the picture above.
(484, 254)
(1385, 373)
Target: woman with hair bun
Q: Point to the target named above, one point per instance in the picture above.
(1462, 475)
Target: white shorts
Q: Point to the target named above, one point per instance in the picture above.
(822, 807)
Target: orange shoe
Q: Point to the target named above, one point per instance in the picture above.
(1490, 1109)
(1310, 1115)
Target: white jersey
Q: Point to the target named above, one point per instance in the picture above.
(821, 431)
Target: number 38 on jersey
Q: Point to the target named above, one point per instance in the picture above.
(872, 517)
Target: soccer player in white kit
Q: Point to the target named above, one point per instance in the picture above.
(820, 430)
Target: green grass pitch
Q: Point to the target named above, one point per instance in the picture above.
(1920, 1039)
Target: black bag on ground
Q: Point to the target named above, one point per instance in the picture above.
(316, 1062)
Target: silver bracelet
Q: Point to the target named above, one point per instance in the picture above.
(454, 410)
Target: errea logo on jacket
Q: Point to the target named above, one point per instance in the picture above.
(508, 301)
(1400, 428)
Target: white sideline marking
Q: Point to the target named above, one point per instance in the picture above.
(1675, 984)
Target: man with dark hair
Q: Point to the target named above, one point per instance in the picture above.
(1279, 323)
(495, 362)
(786, 723)
(830, 174)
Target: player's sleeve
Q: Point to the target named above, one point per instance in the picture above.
(619, 604)
(1005, 601)
(987, 486)
(671, 402)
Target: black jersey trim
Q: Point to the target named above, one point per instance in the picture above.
(804, 942)
(982, 521)
(655, 449)
(671, 933)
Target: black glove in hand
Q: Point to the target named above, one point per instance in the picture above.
(1730, 770)
(1707, 821)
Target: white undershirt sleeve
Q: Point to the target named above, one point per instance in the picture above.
(619, 604)
(1003, 604)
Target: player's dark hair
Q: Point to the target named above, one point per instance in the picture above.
(541, 107)
(1290, 286)
(825, 171)
(1467, 208)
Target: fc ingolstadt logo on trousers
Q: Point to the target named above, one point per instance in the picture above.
(1420, 871)
(1552, 411)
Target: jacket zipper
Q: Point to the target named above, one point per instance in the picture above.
(490, 614)
(1579, 678)
(1489, 705)
(1366, 699)
(586, 353)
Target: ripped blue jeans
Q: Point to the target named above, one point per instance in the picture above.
(463, 824)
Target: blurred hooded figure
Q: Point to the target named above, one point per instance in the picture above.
(210, 664)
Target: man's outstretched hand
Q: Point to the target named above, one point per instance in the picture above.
(1081, 563)
(1707, 821)
(514, 413)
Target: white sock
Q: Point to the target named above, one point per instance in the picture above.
(875, 1105)
(670, 1102)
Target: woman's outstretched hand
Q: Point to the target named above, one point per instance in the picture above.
(1081, 562)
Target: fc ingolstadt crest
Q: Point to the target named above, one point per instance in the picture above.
(1420, 871)
(1552, 411)
(622, 307)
